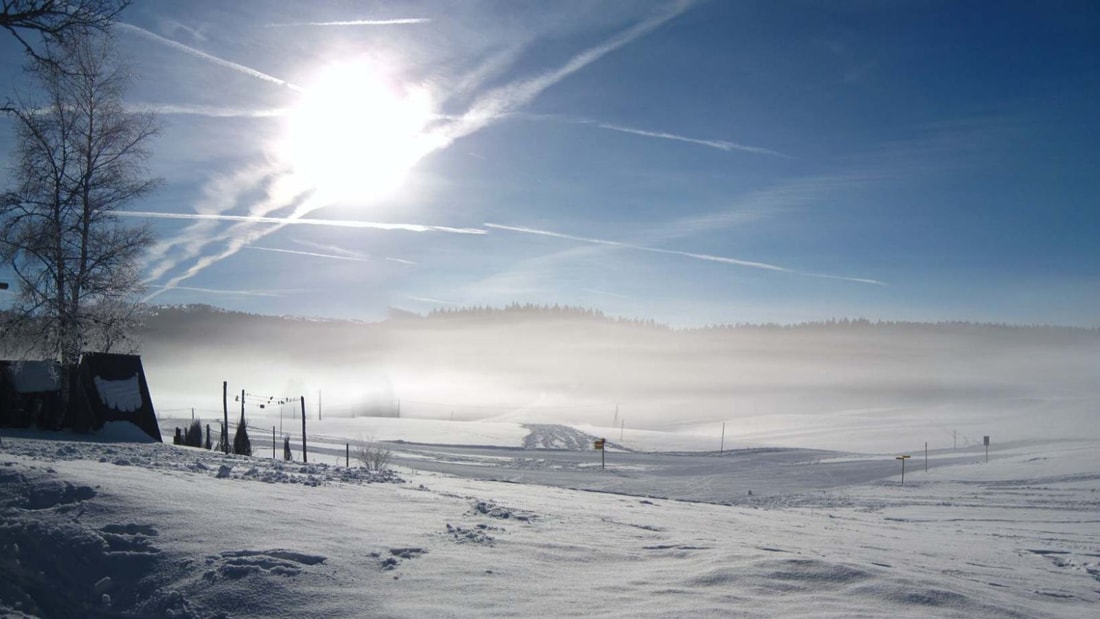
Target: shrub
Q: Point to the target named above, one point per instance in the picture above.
(372, 454)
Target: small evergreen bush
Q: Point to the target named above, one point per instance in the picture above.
(241, 445)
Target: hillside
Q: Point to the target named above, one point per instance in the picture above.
(787, 385)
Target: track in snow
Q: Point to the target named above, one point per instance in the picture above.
(554, 436)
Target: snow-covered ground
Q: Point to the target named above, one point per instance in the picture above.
(93, 527)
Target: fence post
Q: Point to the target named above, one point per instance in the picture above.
(347, 454)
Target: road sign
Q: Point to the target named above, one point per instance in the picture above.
(3, 285)
(903, 459)
(599, 443)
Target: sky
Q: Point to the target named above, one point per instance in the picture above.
(694, 162)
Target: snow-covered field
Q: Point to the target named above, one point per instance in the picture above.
(95, 527)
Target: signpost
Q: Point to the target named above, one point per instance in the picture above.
(599, 445)
(903, 459)
(3, 285)
(985, 439)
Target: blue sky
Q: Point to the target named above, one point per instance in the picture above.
(692, 162)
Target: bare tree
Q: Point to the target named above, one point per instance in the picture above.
(79, 157)
(57, 20)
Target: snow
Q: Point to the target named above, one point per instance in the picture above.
(122, 395)
(92, 526)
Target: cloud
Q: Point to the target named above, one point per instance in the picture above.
(355, 22)
(606, 293)
(283, 221)
(696, 256)
(719, 144)
(205, 56)
(786, 196)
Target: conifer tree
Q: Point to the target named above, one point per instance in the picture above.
(193, 437)
(241, 445)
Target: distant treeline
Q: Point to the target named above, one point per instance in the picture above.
(513, 311)
(532, 310)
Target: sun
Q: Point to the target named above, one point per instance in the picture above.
(355, 132)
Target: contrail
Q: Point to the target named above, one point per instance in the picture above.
(507, 98)
(340, 251)
(706, 257)
(336, 223)
(208, 111)
(719, 144)
(308, 253)
(355, 22)
(251, 293)
(484, 112)
(205, 56)
(431, 300)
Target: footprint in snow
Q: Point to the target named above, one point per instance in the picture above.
(391, 562)
(129, 538)
(236, 564)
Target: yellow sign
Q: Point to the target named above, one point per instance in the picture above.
(599, 443)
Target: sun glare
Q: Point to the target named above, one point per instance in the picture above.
(355, 132)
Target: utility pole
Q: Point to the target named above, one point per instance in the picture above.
(622, 426)
(925, 456)
(318, 405)
(225, 412)
(304, 459)
(722, 445)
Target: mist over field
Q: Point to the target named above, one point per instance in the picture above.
(845, 385)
